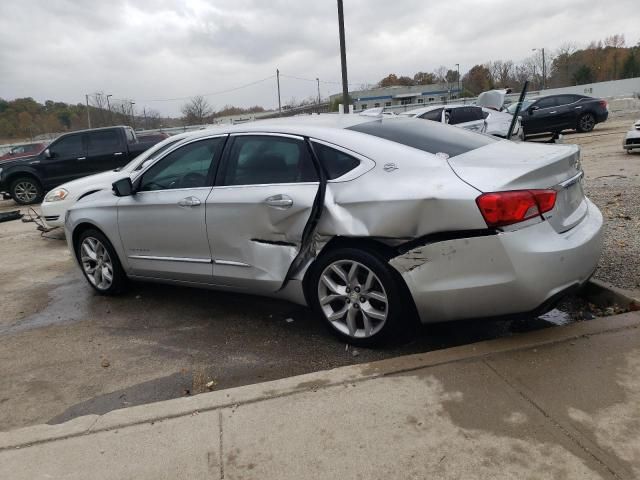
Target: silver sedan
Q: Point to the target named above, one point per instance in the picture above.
(367, 220)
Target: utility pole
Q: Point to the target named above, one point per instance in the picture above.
(133, 118)
(459, 92)
(86, 97)
(318, 82)
(278, 82)
(144, 112)
(109, 108)
(343, 58)
(544, 71)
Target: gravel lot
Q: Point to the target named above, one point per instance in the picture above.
(65, 351)
(613, 183)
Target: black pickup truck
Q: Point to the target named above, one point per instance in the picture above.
(70, 156)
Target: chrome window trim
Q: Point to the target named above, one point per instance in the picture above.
(267, 134)
(174, 190)
(171, 259)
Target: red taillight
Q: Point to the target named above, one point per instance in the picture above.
(603, 103)
(506, 208)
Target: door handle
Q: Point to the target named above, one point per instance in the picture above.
(189, 202)
(279, 201)
(578, 108)
(553, 112)
(117, 154)
(81, 158)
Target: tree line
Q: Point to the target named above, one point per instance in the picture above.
(608, 59)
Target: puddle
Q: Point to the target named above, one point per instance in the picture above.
(67, 303)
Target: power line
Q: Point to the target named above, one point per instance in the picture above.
(220, 92)
(321, 81)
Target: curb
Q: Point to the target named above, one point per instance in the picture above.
(234, 397)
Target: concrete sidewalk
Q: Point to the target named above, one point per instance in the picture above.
(557, 403)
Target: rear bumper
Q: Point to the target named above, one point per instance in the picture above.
(602, 116)
(504, 274)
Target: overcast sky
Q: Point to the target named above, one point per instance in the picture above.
(148, 50)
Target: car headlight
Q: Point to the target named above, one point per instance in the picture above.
(56, 195)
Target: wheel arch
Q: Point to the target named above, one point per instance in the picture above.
(376, 247)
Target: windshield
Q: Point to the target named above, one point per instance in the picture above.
(153, 152)
(430, 137)
(512, 108)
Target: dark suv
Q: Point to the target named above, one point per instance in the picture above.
(555, 113)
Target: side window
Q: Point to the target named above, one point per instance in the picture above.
(335, 162)
(567, 99)
(131, 137)
(71, 146)
(435, 115)
(186, 167)
(104, 141)
(257, 160)
(464, 114)
(547, 102)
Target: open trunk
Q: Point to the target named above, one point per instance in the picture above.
(504, 166)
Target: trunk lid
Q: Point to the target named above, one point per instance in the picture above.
(504, 166)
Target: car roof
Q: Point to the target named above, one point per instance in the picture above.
(430, 108)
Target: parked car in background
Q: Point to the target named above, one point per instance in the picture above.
(60, 199)
(70, 156)
(632, 139)
(555, 113)
(366, 219)
(25, 150)
(469, 117)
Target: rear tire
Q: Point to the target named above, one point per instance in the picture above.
(26, 190)
(99, 263)
(358, 296)
(586, 122)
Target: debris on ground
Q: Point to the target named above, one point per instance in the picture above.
(105, 363)
(355, 353)
(8, 216)
(211, 384)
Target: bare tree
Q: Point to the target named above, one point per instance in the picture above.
(197, 110)
(153, 118)
(440, 74)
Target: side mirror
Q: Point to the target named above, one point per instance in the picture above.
(123, 187)
(47, 153)
(532, 109)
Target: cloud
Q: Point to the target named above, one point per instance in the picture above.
(157, 49)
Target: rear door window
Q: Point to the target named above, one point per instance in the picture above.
(567, 99)
(334, 162)
(103, 142)
(258, 160)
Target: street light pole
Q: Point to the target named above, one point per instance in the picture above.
(318, 82)
(458, 68)
(343, 58)
(86, 97)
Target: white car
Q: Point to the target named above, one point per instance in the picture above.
(469, 117)
(60, 199)
(632, 139)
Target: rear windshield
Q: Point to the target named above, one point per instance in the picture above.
(427, 136)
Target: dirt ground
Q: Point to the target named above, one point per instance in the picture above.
(65, 351)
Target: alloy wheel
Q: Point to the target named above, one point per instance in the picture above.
(587, 122)
(26, 191)
(96, 263)
(353, 299)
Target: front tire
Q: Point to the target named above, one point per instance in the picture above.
(586, 122)
(99, 262)
(26, 191)
(358, 296)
